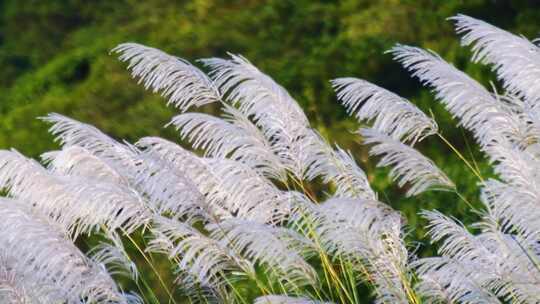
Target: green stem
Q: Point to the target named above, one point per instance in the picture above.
(467, 163)
(151, 266)
(464, 200)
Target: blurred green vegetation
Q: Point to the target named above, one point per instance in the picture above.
(54, 57)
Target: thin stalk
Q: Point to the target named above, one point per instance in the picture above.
(347, 270)
(309, 194)
(151, 266)
(141, 292)
(335, 278)
(327, 279)
(262, 287)
(327, 265)
(234, 290)
(252, 276)
(408, 289)
(475, 169)
(528, 253)
(318, 294)
(464, 200)
(316, 289)
(145, 283)
(470, 150)
(144, 242)
(467, 163)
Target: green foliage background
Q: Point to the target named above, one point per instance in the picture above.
(54, 57)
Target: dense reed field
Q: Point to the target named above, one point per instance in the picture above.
(235, 218)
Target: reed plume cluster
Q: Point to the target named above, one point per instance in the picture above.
(238, 210)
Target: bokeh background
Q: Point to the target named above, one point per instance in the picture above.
(54, 57)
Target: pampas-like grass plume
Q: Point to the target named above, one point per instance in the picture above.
(368, 235)
(278, 115)
(515, 59)
(37, 253)
(234, 137)
(350, 180)
(270, 212)
(392, 114)
(205, 259)
(408, 165)
(476, 108)
(279, 250)
(183, 84)
(80, 205)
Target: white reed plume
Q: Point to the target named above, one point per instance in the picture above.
(13, 291)
(179, 160)
(234, 137)
(16, 288)
(496, 264)
(168, 191)
(517, 275)
(514, 201)
(42, 255)
(243, 83)
(368, 234)
(207, 261)
(78, 161)
(516, 167)
(80, 205)
(279, 250)
(515, 59)
(522, 218)
(145, 173)
(231, 188)
(454, 276)
(175, 78)
(198, 292)
(477, 109)
(244, 193)
(408, 165)
(257, 95)
(341, 170)
(113, 256)
(443, 280)
(391, 114)
(70, 132)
